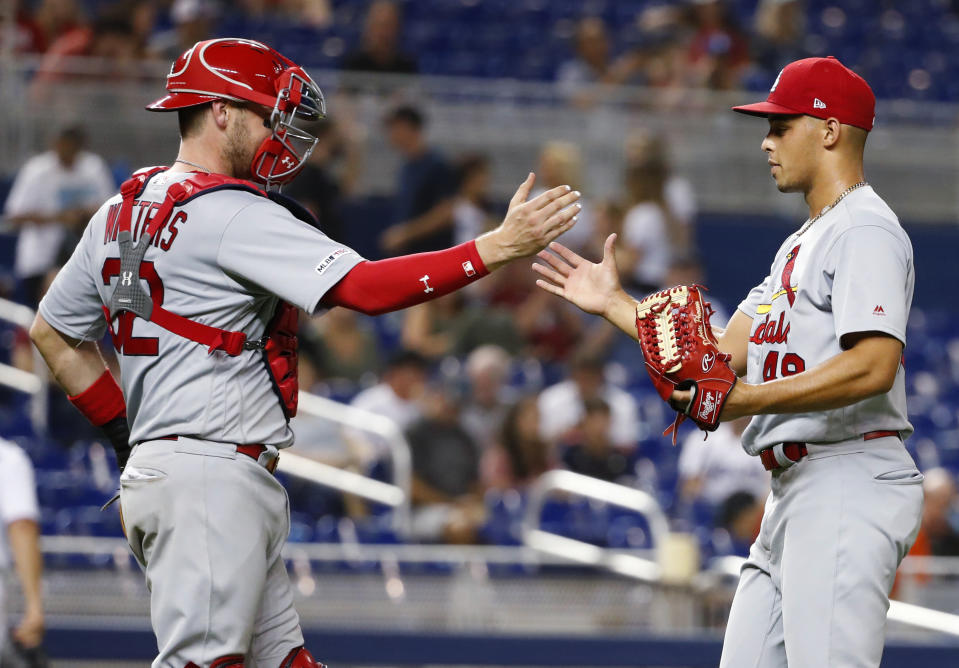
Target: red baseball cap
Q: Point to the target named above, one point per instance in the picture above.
(822, 88)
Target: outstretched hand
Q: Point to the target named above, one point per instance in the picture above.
(591, 286)
(529, 226)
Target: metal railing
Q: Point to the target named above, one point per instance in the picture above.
(35, 384)
(615, 561)
(899, 611)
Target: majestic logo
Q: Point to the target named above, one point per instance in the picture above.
(426, 286)
(468, 268)
(788, 274)
(776, 82)
(127, 278)
(818, 104)
(708, 360)
(708, 406)
(879, 310)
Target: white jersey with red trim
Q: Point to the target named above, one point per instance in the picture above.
(222, 259)
(850, 271)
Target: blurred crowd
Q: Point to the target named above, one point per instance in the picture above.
(498, 384)
(691, 43)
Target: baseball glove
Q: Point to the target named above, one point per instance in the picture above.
(681, 353)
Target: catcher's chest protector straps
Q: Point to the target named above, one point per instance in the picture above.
(129, 299)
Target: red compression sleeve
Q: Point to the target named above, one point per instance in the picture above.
(102, 401)
(398, 282)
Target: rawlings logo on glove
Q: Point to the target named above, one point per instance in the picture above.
(681, 353)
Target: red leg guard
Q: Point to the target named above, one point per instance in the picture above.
(300, 658)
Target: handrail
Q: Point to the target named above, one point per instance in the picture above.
(34, 384)
(904, 613)
(616, 561)
(396, 495)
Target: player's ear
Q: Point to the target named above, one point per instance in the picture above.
(832, 128)
(221, 113)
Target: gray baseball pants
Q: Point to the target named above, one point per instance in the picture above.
(815, 590)
(207, 525)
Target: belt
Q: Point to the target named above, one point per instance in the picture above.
(253, 451)
(784, 455)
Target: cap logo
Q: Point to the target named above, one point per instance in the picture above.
(818, 104)
(776, 82)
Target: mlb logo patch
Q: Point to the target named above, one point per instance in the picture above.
(468, 268)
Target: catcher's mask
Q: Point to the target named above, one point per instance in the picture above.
(243, 70)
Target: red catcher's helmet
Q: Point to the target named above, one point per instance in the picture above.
(242, 70)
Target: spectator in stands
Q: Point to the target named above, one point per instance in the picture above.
(116, 43)
(56, 19)
(657, 226)
(20, 542)
(549, 330)
(939, 531)
(593, 453)
(688, 270)
(520, 455)
(380, 49)
(397, 396)
(780, 26)
(471, 210)
(425, 192)
(563, 405)
(314, 13)
(341, 348)
(737, 522)
(718, 53)
(52, 198)
(192, 23)
(578, 78)
(712, 470)
(454, 325)
(446, 494)
(489, 397)
(26, 34)
(561, 162)
(319, 187)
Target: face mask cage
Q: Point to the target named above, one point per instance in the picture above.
(290, 146)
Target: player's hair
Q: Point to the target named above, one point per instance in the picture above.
(596, 405)
(407, 114)
(190, 119)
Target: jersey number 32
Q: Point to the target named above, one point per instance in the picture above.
(125, 342)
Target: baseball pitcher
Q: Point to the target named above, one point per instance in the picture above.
(817, 350)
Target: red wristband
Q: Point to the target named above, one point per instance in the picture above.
(102, 401)
(399, 282)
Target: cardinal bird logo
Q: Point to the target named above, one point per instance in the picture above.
(788, 274)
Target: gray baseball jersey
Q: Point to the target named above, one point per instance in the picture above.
(222, 260)
(850, 271)
(814, 591)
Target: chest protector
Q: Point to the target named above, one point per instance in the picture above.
(129, 299)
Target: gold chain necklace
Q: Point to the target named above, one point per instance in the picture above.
(830, 207)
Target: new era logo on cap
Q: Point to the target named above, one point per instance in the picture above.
(802, 86)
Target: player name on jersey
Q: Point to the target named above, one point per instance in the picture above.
(143, 213)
